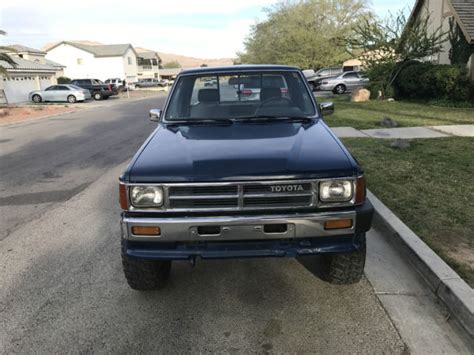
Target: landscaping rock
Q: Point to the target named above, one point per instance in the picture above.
(400, 144)
(388, 122)
(360, 95)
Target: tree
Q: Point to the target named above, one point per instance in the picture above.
(460, 50)
(172, 65)
(5, 57)
(203, 65)
(307, 34)
(388, 45)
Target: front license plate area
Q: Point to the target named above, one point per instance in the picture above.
(257, 231)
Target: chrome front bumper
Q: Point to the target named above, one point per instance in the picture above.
(181, 229)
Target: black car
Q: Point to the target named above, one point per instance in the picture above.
(98, 89)
(223, 177)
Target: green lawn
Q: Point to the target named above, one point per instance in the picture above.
(366, 115)
(430, 187)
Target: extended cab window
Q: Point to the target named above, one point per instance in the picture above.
(242, 95)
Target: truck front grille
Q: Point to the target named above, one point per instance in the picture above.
(240, 196)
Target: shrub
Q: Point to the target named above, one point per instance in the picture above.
(430, 81)
(63, 80)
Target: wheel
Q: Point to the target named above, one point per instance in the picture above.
(71, 99)
(97, 96)
(143, 274)
(344, 268)
(36, 98)
(340, 89)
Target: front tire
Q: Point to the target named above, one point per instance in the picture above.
(340, 89)
(344, 268)
(36, 99)
(71, 99)
(144, 274)
(97, 96)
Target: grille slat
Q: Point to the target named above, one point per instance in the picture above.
(241, 196)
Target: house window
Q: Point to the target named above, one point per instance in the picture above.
(129, 60)
(79, 61)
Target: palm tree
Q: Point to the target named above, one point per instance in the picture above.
(5, 57)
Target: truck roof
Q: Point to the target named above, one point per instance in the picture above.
(238, 68)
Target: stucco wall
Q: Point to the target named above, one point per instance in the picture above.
(97, 68)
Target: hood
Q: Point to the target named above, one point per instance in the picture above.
(241, 151)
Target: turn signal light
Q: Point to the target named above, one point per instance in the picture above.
(338, 224)
(123, 196)
(360, 190)
(149, 230)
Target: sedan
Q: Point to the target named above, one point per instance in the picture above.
(344, 82)
(67, 93)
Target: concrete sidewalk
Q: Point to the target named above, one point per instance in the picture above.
(407, 132)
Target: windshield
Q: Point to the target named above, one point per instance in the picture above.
(243, 95)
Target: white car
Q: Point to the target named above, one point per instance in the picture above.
(63, 93)
(345, 82)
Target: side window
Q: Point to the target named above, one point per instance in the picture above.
(62, 88)
(350, 76)
(204, 82)
(325, 73)
(51, 88)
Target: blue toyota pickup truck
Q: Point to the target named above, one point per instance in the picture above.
(233, 174)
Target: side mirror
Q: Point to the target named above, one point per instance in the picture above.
(327, 108)
(155, 115)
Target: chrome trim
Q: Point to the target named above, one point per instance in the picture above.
(309, 225)
(315, 202)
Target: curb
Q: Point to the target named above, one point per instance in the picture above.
(446, 284)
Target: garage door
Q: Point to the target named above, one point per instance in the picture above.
(17, 88)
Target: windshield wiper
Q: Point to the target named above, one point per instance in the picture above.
(196, 121)
(266, 118)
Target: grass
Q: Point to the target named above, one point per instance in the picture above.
(366, 115)
(430, 187)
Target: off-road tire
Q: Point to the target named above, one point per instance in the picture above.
(145, 275)
(344, 268)
(71, 99)
(97, 96)
(37, 98)
(340, 89)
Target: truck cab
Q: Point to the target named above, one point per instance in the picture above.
(226, 177)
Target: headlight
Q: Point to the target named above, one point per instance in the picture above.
(146, 196)
(336, 191)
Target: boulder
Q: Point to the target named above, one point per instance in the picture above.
(387, 122)
(360, 95)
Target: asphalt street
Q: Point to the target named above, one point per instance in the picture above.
(62, 288)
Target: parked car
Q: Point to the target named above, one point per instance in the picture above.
(315, 78)
(97, 89)
(63, 93)
(222, 178)
(344, 82)
(251, 87)
(148, 83)
(117, 82)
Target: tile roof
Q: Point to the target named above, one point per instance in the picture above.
(23, 64)
(103, 50)
(21, 48)
(465, 13)
(54, 64)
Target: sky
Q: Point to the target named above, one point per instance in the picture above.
(198, 28)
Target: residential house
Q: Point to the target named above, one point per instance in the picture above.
(24, 77)
(441, 12)
(170, 74)
(148, 64)
(32, 72)
(102, 61)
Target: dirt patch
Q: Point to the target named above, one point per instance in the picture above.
(19, 114)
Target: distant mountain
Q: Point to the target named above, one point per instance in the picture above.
(190, 62)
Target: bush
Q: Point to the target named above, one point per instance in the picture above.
(428, 81)
(63, 80)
